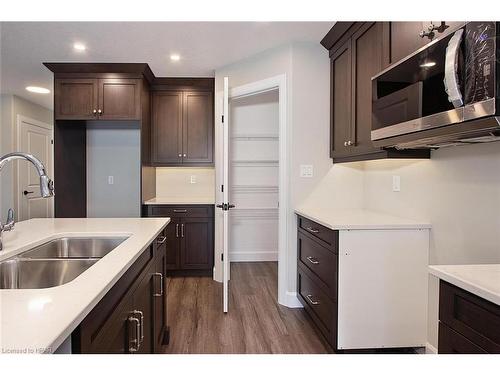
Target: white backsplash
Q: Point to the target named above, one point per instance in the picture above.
(175, 182)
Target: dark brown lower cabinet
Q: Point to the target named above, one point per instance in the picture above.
(131, 317)
(468, 324)
(190, 237)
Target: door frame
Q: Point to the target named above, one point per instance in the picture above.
(279, 82)
(41, 124)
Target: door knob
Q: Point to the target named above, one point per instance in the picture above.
(26, 192)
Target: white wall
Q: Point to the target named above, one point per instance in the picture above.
(305, 65)
(10, 107)
(113, 149)
(175, 182)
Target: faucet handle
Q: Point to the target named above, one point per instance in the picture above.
(9, 225)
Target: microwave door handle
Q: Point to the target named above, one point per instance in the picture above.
(450, 69)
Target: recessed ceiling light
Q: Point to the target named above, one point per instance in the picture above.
(38, 90)
(175, 57)
(428, 64)
(79, 47)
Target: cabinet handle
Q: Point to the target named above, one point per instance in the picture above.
(94, 111)
(315, 231)
(180, 211)
(184, 155)
(180, 155)
(161, 285)
(99, 112)
(350, 143)
(345, 144)
(161, 240)
(134, 343)
(182, 230)
(313, 302)
(312, 260)
(141, 326)
(177, 230)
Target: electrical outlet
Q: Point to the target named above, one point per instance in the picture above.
(306, 170)
(396, 183)
(111, 180)
(193, 179)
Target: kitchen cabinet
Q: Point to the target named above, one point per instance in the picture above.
(97, 99)
(131, 317)
(190, 237)
(468, 324)
(182, 128)
(358, 51)
(406, 39)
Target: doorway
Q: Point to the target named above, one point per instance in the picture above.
(36, 138)
(254, 152)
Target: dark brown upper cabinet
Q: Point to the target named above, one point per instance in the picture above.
(103, 99)
(182, 128)
(406, 36)
(358, 51)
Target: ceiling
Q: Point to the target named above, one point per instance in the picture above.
(202, 46)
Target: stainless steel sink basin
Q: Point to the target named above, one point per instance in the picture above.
(36, 273)
(72, 247)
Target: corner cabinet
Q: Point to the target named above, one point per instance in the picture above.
(182, 128)
(132, 316)
(97, 99)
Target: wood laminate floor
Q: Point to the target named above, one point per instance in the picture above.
(255, 323)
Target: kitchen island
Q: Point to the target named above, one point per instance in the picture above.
(40, 320)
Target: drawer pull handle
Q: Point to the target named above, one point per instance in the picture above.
(182, 230)
(313, 302)
(312, 260)
(177, 230)
(180, 211)
(161, 240)
(134, 343)
(156, 294)
(315, 231)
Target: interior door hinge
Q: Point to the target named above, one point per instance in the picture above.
(222, 118)
(51, 141)
(222, 188)
(222, 257)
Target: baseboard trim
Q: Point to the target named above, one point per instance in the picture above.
(253, 256)
(292, 301)
(430, 349)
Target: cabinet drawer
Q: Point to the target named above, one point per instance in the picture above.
(320, 307)
(320, 261)
(451, 342)
(473, 317)
(182, 211)
(323, 233)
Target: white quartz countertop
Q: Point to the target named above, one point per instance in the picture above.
(181, 200)
(482, 280)
(39, 320)
(350, 219)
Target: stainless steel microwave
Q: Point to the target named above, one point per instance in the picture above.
(452, 80)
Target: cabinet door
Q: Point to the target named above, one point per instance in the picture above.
(143, 309)
(173, 259)
(167, 128)
(198, 128)
(370, 55)
(405, 39)
(197, 250)
(119, 99)
(160, 300)
(75, 99)
(341, 101)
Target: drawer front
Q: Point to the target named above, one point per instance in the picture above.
(473, 317)
(320, 307)
(320, 261)
(182, 211)
(323, 233)
(452, 342)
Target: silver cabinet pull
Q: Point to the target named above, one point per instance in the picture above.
(141, 325)
(94, 111)
(99, 111)
(180, 155)
(350, 143)
(182, 230)
(345, 144)
(180, 211)
(312, 260)
(184, 155)
(134, 343)
(177, 230)
(313, 302)
(315, 231)
(161, 240)
(161, 285)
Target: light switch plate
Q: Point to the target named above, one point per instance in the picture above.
(396, 183)
(306, 170)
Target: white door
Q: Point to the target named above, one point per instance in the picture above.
(35, 138)
(225, 194)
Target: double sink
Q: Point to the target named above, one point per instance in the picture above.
(55, 262)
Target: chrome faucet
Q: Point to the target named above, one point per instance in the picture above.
(46, 185)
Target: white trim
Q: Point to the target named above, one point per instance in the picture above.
(253, 256)
(19, 119)
(279, 83)
(292, 301)
(430, 349)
